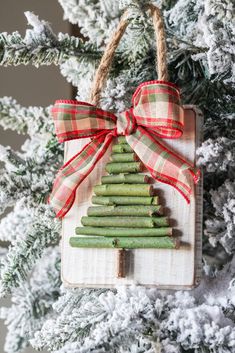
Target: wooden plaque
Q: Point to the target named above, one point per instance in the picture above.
(164, 268)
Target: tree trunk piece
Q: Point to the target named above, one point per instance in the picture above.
(121, 263)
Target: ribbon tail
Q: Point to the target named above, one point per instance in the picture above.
(74, 172)
(164, 165)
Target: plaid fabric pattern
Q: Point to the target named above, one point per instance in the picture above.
(75, 119)
(156, 113)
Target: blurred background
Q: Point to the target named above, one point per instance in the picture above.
(28, 85)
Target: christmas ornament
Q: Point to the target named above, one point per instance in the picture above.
(130, 216)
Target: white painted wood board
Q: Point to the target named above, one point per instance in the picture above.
(164, 268)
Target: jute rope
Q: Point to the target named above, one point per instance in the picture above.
(106, 61)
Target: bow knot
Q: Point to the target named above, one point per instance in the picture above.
(126, 123)
(156, 114)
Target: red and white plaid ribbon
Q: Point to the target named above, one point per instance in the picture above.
(156, 113)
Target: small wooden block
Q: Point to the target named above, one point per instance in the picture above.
(164, 268)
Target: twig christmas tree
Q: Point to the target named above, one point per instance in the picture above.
(128, 214)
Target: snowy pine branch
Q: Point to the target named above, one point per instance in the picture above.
(11, 159)
(43, 232)
(26, 180)
(222, 124)
(32, 302)
(97, 20)
(16, 223)
(30, 174)
(73, 319)
(31, 120)
(221, 227)
(207, 25)
(113, 320)
(23, 181)
(41, 46)
(217, 155)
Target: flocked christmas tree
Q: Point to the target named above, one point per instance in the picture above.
(200, 37)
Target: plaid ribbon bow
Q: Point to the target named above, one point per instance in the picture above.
(156, 113)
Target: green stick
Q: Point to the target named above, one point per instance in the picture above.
(124, 200)
(125, 222)
(126, 243)
(121, 140)
(128, 167)
(124, 189)
(125, 178)
(103, 211)
(124, 157)
(125, 232)
(122, 148)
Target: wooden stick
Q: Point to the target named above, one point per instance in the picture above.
(125, 242)
(123, 190)
(103, 211)
(124, 200)
(122, 148)
(121, 263)
(124, 157)
(121, 140)
(125, 178)
(129, 167)
(125, 232)
(125, 222)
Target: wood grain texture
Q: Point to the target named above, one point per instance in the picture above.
(173, 269)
